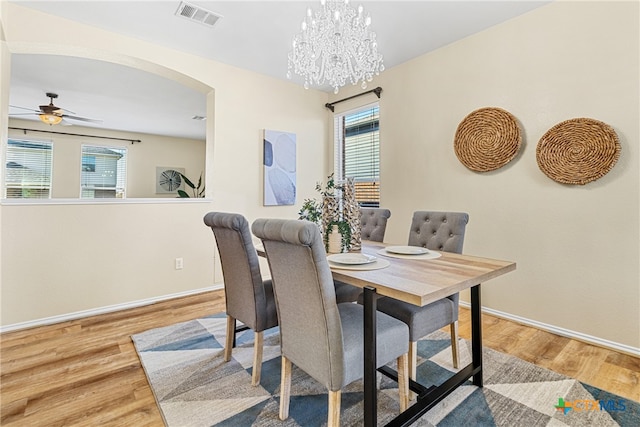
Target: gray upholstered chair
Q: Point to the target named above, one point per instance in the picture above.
(248, 298)
(373, 223)
(321, 337)
(346, 292)
(439, 231)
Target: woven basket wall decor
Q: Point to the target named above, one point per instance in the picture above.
(578, 151)
(487, 139)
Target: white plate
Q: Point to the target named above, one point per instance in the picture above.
(406, 250)
(351, 259)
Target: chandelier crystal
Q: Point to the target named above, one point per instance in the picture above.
(334, 45)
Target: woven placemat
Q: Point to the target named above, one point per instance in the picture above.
(578, 151)
(487, 139)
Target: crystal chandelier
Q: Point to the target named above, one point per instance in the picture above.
(335, 44)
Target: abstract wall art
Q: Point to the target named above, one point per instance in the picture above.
(279, 160)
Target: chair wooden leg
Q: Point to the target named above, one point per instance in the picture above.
(334, 408)
(285, 388)
(231, 333)
(413, 359)
(257, 358)
(403, 381)
(454, 344)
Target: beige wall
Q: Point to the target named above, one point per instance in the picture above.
(5, 68)
(576, 247)
(93, 256)
(142, 157)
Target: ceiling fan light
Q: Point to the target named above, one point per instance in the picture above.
(50, 119)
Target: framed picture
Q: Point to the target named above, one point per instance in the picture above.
(168, 180)
(279, 161)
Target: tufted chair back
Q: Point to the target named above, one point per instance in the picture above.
(439, 231)
(373, 223)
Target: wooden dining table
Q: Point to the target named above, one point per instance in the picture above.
(419, 281)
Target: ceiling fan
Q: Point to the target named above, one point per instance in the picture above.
(53, 115)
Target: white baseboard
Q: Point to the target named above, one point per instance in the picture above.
(623, 348)
(102, 310)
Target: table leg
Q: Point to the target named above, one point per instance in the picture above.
(476, 334)
(237, 329)
(370, 396)
(429, 397)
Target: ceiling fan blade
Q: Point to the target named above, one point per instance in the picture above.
(54, 110)
(24, 108)
(64, 110)
(51, 109)
(82, 119)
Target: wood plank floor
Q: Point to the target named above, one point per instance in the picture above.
(86, 372)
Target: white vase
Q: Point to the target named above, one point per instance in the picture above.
(335, 240)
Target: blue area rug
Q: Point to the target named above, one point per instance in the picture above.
(195, 387)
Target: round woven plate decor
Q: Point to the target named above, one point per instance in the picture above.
(578, 151)
(487, 139)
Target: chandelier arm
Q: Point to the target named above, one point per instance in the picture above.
(377, 91)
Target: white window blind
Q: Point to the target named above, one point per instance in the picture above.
(28, 169)
(103, 173)
(357, 152)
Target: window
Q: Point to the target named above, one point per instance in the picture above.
(28, 169)
(357, 152)
(103, 173)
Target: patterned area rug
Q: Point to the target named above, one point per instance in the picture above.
(194, 387)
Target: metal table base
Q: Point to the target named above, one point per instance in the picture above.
(427, 397)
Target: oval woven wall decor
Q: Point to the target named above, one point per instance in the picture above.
(578, 151)
(487, 139)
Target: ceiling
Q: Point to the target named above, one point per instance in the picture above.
(254, 35)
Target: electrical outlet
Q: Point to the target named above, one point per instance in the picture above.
(179, 263)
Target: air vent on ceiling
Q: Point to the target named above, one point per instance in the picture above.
(197, 14)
